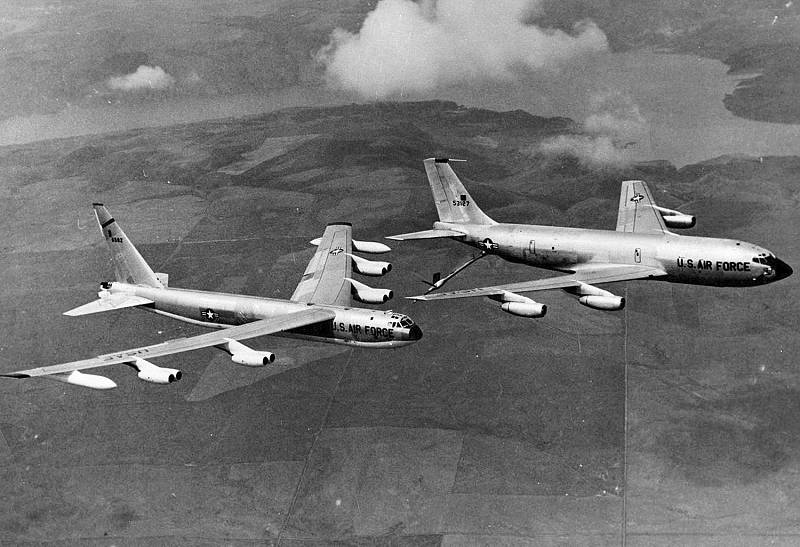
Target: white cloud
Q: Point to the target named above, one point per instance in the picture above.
(590, 150)
(614, 113)
(145, 77)
(615, 130)
(416, 46)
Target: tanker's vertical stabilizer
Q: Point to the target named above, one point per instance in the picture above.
(453, 202)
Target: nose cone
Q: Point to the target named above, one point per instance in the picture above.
(782, 269)
(414, 333)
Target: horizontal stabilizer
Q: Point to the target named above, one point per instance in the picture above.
(109, 302)
(426, 234)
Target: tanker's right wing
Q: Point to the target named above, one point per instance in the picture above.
(636, 210)
(639, 213)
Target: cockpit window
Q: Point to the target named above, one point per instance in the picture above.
(406, 322)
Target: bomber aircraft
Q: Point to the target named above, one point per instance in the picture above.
(642, 247)
(320, 309)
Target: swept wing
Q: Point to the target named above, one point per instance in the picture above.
(241, 332)
(324, 281)
(637, 211)
(426, 234)
(591, 275)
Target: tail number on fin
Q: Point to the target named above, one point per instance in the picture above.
(462, 202)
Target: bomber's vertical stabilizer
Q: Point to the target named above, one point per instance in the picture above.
(129, 266)
(453, 202)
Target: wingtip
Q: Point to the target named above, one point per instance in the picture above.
(443, 160)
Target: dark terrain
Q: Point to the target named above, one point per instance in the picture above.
(491, 429)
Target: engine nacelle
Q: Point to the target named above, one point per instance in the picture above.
(154, 374)
(79, 378)
(243, 355)
(368, 295)
(253, 358)
(519, 305)
(372, 247)
(679, 221)
(525, 309)
(374, 268)
(601, 302)
(675, 219)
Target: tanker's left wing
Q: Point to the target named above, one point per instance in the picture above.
(226, 338)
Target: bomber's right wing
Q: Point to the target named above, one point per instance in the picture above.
(636, 210)
(599, 274)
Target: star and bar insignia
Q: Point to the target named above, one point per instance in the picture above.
(209, 315)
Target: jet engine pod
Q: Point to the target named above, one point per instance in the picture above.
(679, 221)
(525, 309)
(519, 305)
(600, 302)
(253, 358)
(373, 268)
(243, 355)
(675, 219)
(93, 381)
(368, 295)
(372, 247)
(155, 374)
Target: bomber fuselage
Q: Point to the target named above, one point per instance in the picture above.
(351, 326)
(685, 259)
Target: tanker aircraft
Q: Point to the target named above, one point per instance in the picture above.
(642, 247)
(320, 309)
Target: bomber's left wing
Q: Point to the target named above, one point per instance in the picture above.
(592, 275)
(325, 278)
(216, 338)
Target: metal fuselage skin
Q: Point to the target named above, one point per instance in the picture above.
(685, 259)
(351, 326)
